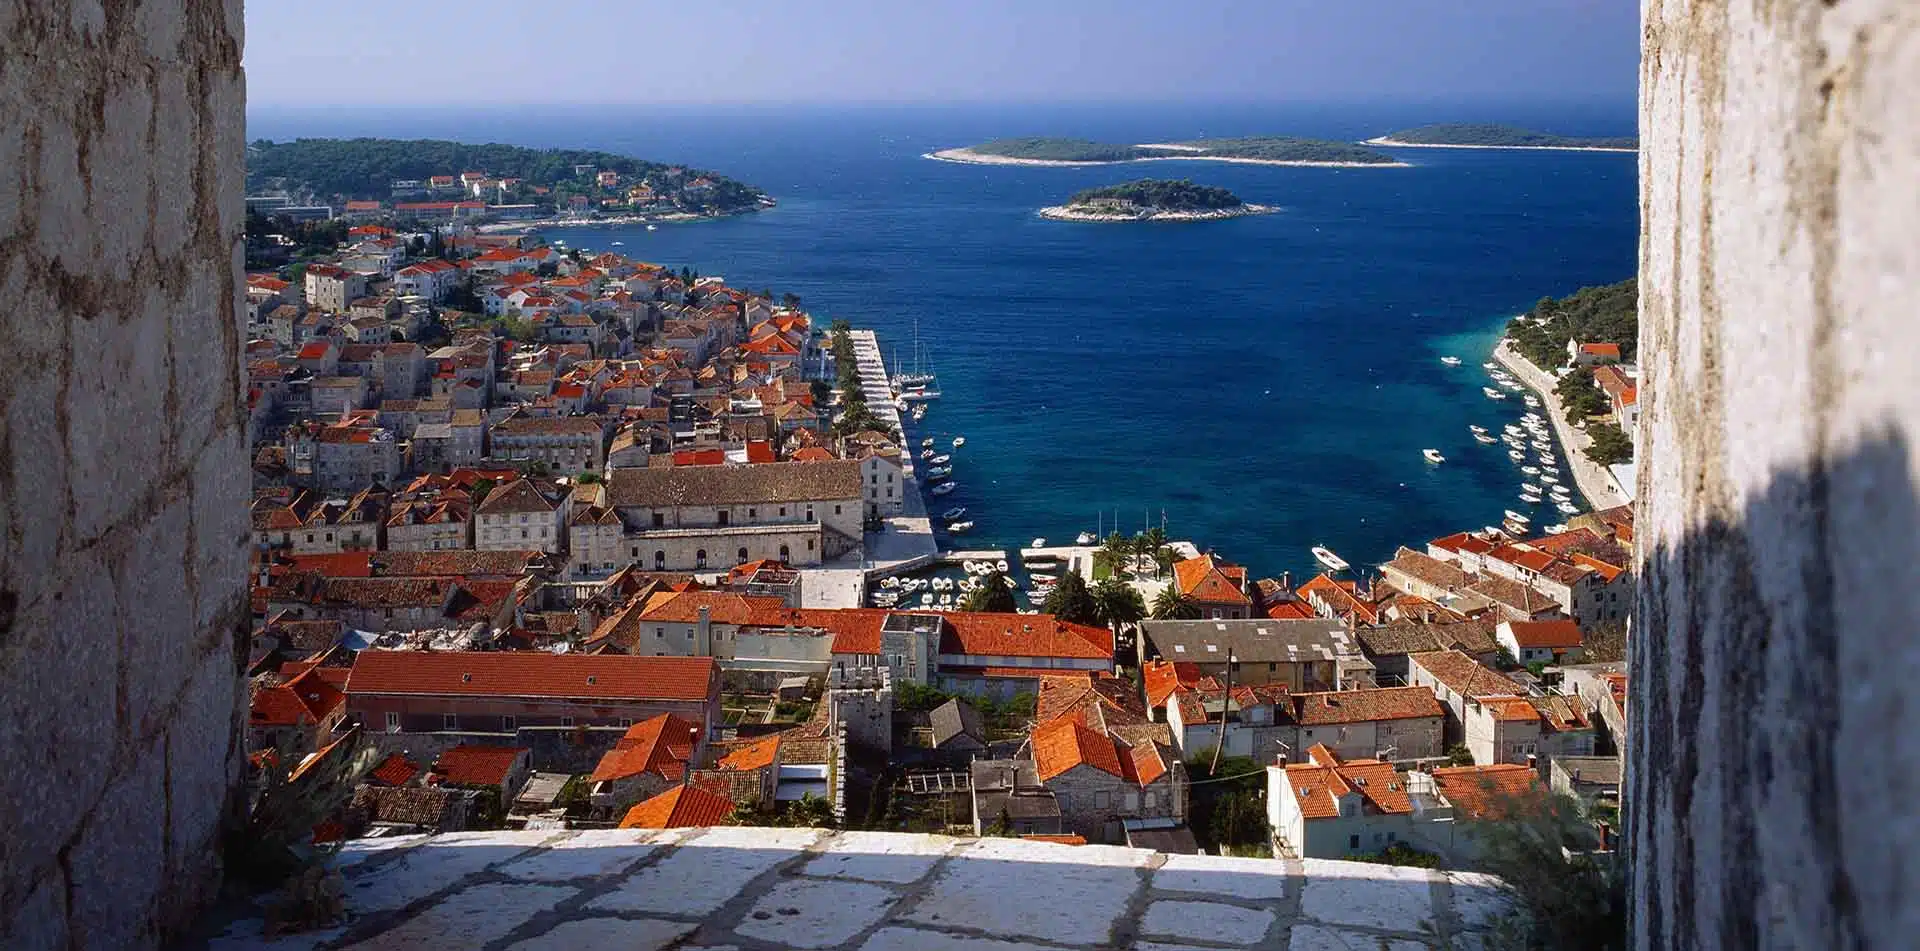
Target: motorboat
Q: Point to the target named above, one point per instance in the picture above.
(959, 441)
(1478, 430)
(1530, 498)
(941, 460)
(1513, 516)
(1556, 529)
(960, 527)
(939, 472)
(1043, 578)
(926, 443)
(926, 454)
(1037, 543)
(954, 514)
(1000, 565)
(919, 412)
(653, 227)
(619, 244)
(1529, 488)
(1009, 582)
(1530, 470)
(1328, 558)
(1492, 393)
(1516, 455)
(1530, 400)
(1489, 366)
(1084, 538)
(1511, 429)
(919, 394)
(943, 488)
(1568, 508)
(1450, 361)
(1433, 456)
(1484, 439)
(1550, 480)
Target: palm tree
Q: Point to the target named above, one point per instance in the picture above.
(992, 595)
(1117, 604)
(1153, 542)
(1170, 604)
(1118, 548)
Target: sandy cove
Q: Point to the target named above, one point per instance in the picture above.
(968, 157)
(1069, 213)
(1396, 143)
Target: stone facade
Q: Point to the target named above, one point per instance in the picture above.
(123, 472)
(1778, 529)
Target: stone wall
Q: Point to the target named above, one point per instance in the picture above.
(1774, 657)
(122, 463)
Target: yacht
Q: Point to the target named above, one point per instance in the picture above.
(944, 487)
(1513, 516)
(960, 528)
(1492, 393)
(954, 514)
(919, 394)
(1450, 361)
(1328, 558)
(1433, 456)
(959, 441)
(1038, 543)
(1084, 538)
(1484, 439)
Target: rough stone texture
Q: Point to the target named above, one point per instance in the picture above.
(122, 463)
(763, 889)
(1774, 660)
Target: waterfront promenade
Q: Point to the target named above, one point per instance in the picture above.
(1592, 479)
(908, 541)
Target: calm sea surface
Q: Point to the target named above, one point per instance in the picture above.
(1265, 383)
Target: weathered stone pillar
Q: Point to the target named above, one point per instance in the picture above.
(1774, 763)
(123, 471)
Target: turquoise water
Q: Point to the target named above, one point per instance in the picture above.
(1265, 382)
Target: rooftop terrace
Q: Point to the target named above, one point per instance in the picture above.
(760, 888)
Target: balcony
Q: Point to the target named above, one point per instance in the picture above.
(809, 888)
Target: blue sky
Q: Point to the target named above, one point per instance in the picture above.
(363, 52)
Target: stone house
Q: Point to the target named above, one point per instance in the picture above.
(302, 710)
(444, 523)
(1100, 780)
(1216, 587)
(652, 757)
(1008, 797)
(331, 289)
(1540, 641)
(497, 769)
(1302, 655)
(519, 515)
(701, 518)
(1394, 724)
(567, 444)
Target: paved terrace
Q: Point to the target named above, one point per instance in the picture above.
(753, 889)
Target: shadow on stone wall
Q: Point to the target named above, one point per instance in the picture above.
(1773, 660)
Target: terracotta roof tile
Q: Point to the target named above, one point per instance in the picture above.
(662, 745)
(679, 807)
(471, 765)
(1481, 792)
(1361, 706)
(532, 674)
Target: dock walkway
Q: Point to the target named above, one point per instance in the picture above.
(1592, 479)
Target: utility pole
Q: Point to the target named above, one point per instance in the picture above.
(1226, 702)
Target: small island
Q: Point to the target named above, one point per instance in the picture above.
(1152, 199)
(1473, 135)
(1255, 150)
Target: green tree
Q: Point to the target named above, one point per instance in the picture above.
(1610, 445)
(790, 301)
(1171, 605)
(1119, 606)
(1459, 755)
(1563, 893)
(1071, 601)
(992, 595)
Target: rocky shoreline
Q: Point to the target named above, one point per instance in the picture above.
(1397, 144)
(1082, 213)
(970, 157)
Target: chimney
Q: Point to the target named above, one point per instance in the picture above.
(702, 631)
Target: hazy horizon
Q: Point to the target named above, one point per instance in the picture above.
(869, 52)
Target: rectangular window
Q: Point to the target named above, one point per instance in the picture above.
(1102, 800)
(659, 632)
(659, 521)
(449, 722)
(508, 724)
(1353, 841)
(566, 721)
(393, 722)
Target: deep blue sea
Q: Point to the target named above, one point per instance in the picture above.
(1264, 383)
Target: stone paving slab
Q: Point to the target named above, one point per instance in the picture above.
(755, 889)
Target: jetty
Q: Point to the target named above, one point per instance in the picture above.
(1596, 485)
(906, 541)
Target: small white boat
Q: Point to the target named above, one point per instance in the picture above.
(959, 441)
(1433, 456)
(1513, 516)
(926, 454)
(1530, 470)
(1043, 578)
(1516, 455)
(1010, 582)
(945, 600)
(1541, 445)
(1568, 508)
(1530, 498)
(1084, 538)
(889, 582)
(619, 244)
(1328, 558)
(1484, 440)
(653, 228)
(920, 412)
(1492, 393)
(939, 472)
(926, 598)
(1550, 480)
(1478, 430)
(1511, 429)
(943, 488)
(1038, 543)
(926, 443)
(955, 513)
(1000, 566)
(1530, 400)
(1450, 361)
(941, 460)
(960, 528)
(1489, 366)
(1555, 529)
(1529, 488)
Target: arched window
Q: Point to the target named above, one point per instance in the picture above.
(743, 556)
(783, 553)
(659, 561)
(700, 558)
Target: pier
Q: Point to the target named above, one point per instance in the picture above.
(1596, 485)
(907, 540)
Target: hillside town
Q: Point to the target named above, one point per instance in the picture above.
(551, 539)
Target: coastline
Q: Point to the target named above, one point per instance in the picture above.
(1397, 144)
(1590, 478)
(967, 157)
(534, 224)
(1069, 213)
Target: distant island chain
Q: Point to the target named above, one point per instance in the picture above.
(1254, 150)
(1153, 200)
(1471, 135)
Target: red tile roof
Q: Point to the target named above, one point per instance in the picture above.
(1361, 706)
(662, 746)
(753, 756)
(395, 770)
(305, 699)
(1206, 578)
(1464, 675)
(1545, 634)
(470, 765)
(1317, 786)
(534, 675)
(1063, 744)
(679, 807)
(1163, 676)
(1023, 635)
(1480, 792)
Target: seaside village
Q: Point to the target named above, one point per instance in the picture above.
(613, 545)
